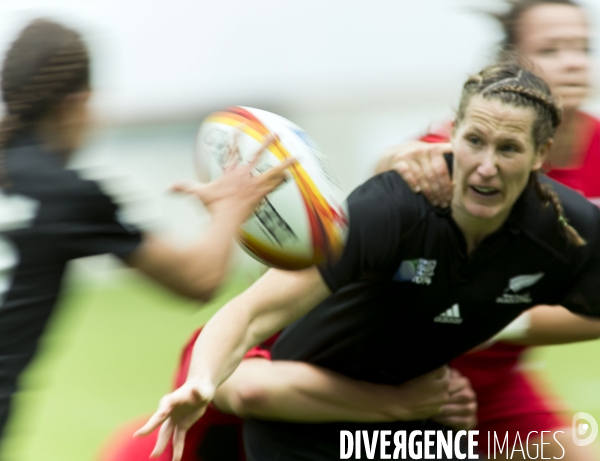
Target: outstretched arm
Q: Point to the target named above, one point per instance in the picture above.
(197, 270)
(274, 301)
(301, 392)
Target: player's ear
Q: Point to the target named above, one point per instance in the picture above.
(541, 153)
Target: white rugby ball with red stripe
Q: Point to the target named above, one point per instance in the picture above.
(305, 220)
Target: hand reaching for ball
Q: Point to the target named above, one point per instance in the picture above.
(238, 192)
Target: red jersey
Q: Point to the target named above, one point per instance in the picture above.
(582, 174)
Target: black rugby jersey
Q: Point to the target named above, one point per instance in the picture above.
(48, 216)
(407, 298)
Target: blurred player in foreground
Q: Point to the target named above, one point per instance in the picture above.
(552, 38)
(417, 286)
(49, 215)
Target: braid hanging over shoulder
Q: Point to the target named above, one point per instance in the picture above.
(549, 197)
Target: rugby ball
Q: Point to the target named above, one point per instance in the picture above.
(301, 223)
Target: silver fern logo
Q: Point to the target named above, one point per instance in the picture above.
(511, 294)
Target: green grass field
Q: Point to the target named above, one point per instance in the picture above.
(110, 353)
(108, 356)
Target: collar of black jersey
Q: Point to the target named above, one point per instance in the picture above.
(528, 213)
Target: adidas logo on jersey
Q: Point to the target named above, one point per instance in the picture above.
(452, 315)
(515, 284)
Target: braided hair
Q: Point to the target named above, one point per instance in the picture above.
(44, 64)
(515, 86)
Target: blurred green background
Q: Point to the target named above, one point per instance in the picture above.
(110, 353)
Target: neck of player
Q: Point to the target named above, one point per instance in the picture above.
(475, 229)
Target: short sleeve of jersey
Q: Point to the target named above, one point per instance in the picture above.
(379, 211)
(90, 225)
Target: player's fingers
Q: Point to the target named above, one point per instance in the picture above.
(442, 175)
(285, 164)
(443, 148)
(278, 173)
(235, 138)
(164, 411)
(442, 379)
(182, 187)
(412, 173)
(403, 167)
(203, 192)
(465, 396)
(232, 156)
(155, 420)
(434, 180)
(270, 139)
(459, 389)
(429, 175)
(164, 435)
(273, 177)
(458, 384)
(424, 183)
(178, 443)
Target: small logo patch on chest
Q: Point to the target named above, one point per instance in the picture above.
(419, 271)
(516, 284)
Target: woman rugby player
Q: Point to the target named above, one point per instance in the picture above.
(406, 265)
(551, 38)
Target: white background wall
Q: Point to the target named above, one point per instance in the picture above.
(358, 76)
(156, 58)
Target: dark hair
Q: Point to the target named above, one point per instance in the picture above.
(516, 86)
(510, 19)
(44, 64)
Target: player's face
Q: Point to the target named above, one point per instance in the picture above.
(494, 154)
(554, 39)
